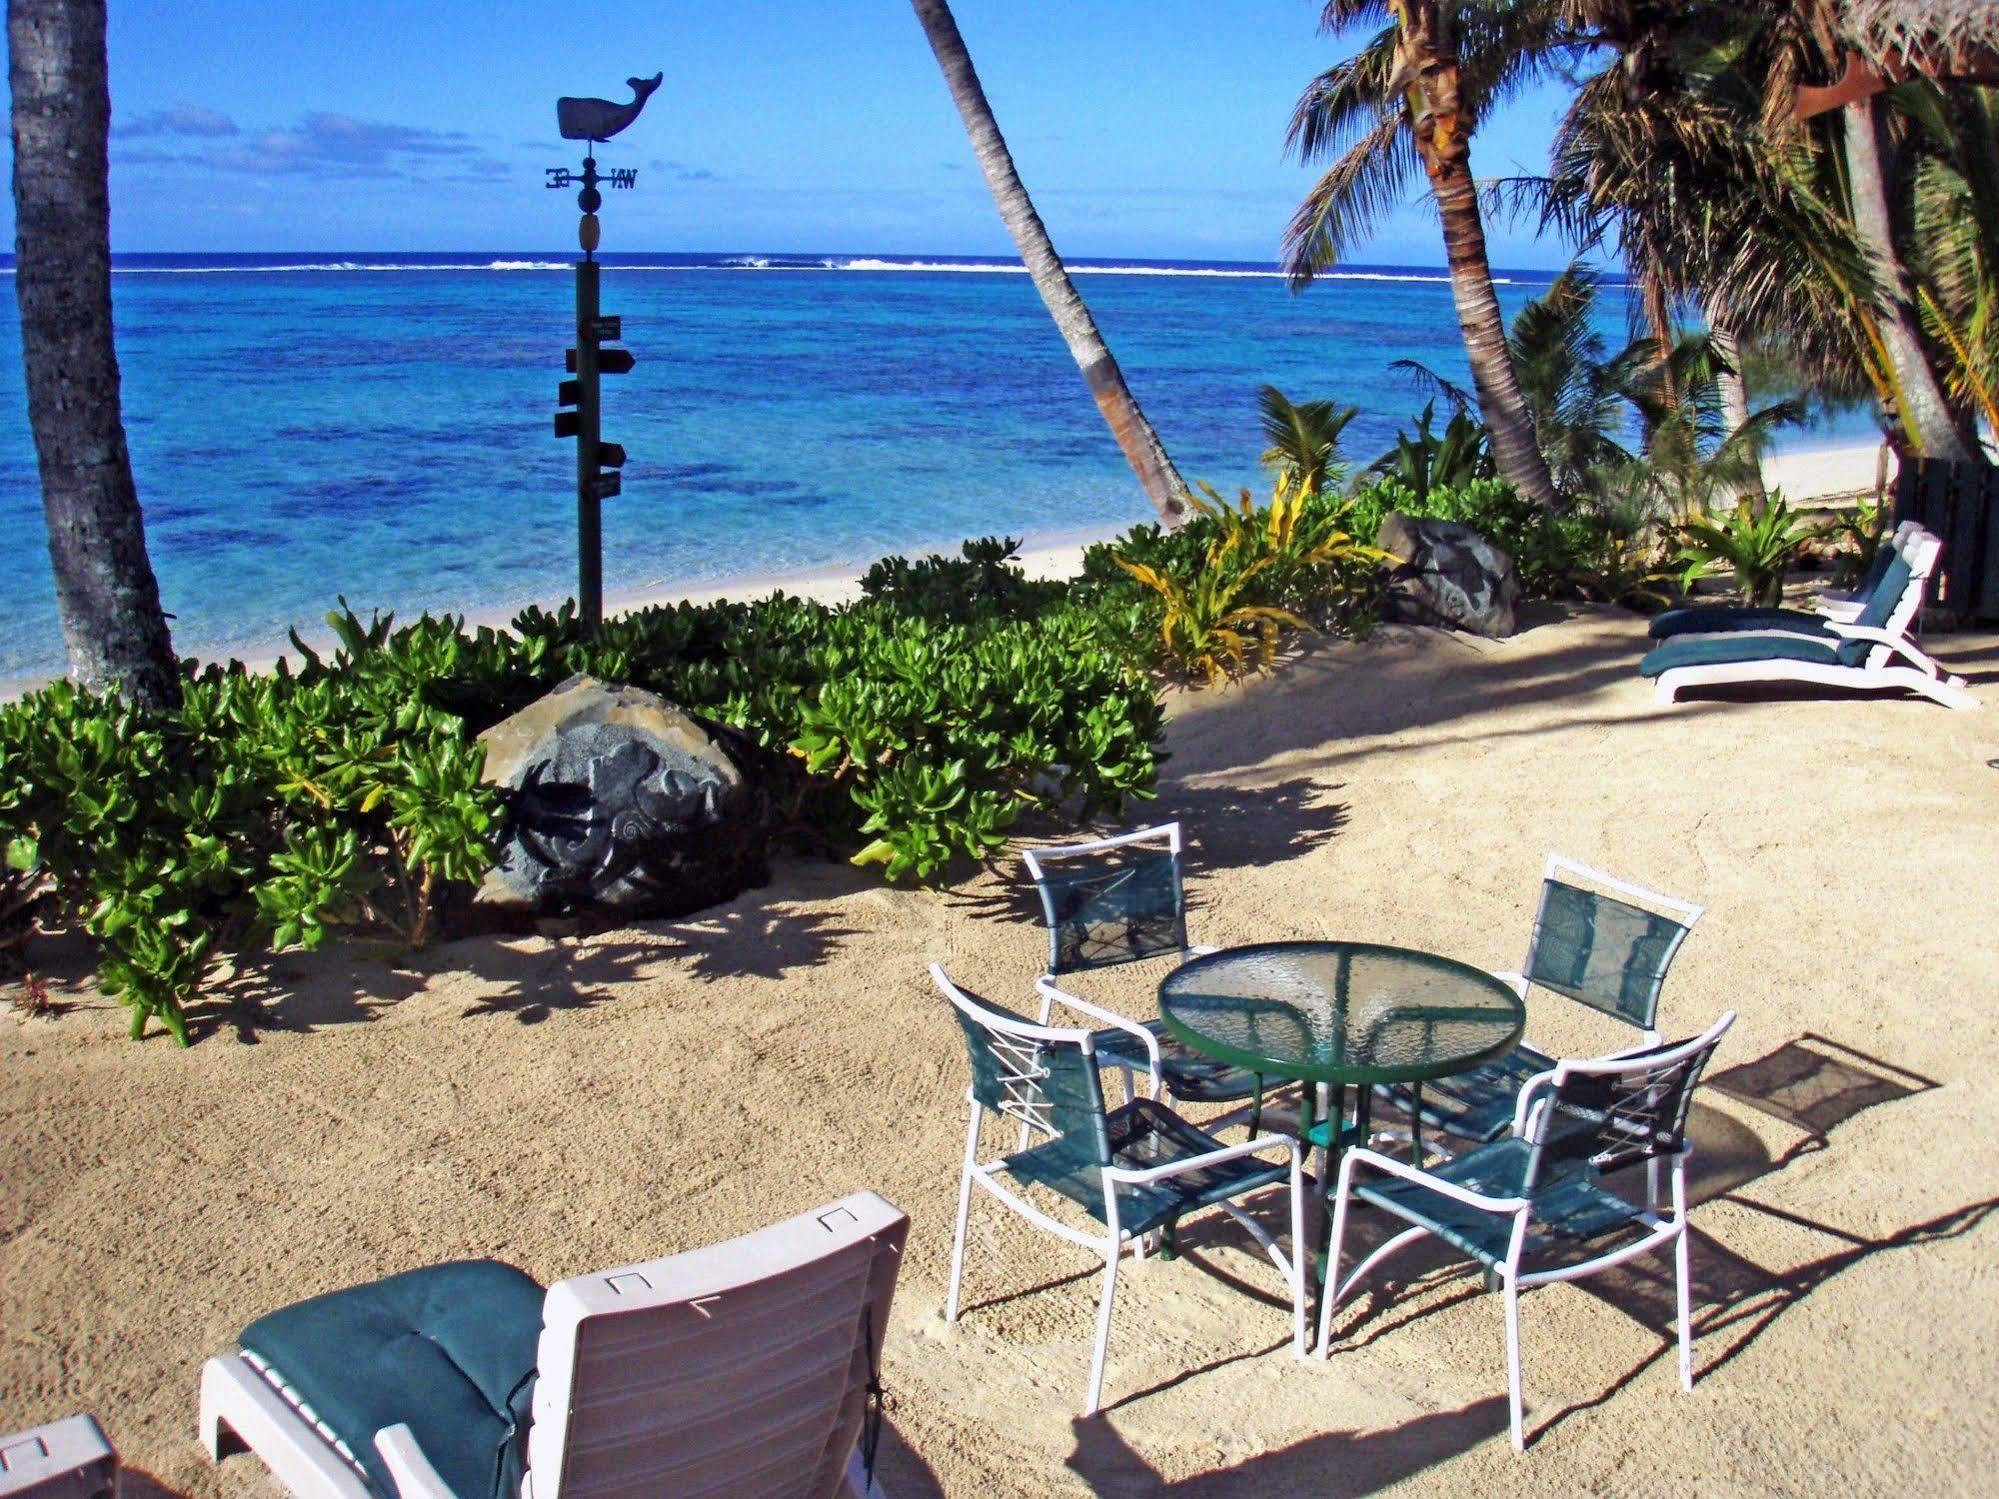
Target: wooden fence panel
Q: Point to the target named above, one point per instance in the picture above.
(1960, 503)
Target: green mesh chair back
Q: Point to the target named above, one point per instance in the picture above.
(1602, 951)
(1112, 902)
(1604, 1116)
(1032, 1074)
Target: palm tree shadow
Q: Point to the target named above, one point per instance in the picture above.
(1335, 1463)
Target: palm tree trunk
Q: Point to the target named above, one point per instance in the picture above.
(1134, 434)
(106, 595)
(1443, 143)
(1928, 425)
(1735, 406)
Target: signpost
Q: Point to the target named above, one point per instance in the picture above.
(597, 462)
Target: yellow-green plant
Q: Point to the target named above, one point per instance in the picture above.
(1223, 610)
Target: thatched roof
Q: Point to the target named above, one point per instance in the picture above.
(1938, 38)
(1892, 40)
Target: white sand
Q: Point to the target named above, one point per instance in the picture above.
(578, 1104)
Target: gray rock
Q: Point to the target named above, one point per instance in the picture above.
(618, 803)
(1449, 575)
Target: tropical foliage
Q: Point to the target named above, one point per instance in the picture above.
(1757, 548)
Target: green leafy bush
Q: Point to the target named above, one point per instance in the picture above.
(903, 731)
(1758, 549)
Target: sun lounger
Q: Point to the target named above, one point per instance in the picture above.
(1873, 652)
(1834, 607)
(746, 1367)
(67, 1459)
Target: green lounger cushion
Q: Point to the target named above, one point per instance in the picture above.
(447, 1349)
(1703, 618)
(1711, 650)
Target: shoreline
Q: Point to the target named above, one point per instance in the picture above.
(1820, 474)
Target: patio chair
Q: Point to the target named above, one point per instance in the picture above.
(1870, 653)
(1834, 605)
(745, 1367)
(1120, 900)
(1132, 1169)
(66, 1459)
(1602, 942)
(1530, 1208)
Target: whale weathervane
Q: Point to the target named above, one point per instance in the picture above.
(600, 119)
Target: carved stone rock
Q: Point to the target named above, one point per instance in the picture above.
(1449, 575)
(618, 803)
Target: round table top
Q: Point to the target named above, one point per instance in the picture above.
(1341, 1012)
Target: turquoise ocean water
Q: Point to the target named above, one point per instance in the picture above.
(306, 426)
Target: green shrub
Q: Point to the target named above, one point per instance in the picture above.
(1758, 549)
(904, 731)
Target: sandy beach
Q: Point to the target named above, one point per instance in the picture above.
(569, 1105)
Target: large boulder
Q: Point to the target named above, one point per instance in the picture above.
(1448, 575)
(618, 803)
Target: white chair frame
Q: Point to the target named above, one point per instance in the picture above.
(1846, 605)
(245, 1403)
(1529, 1116)
(1895, 661)
(1111, 1243)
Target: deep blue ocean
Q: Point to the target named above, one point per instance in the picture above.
(308, 426)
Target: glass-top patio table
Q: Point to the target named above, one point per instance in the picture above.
(1343, 1014)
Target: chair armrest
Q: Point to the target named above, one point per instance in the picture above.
(1523, 1101)
(1840, 608)
(1201, 950)
(1051, 996)
(415, 1477)
(1360, 1155)
(1517, 982)
(1899, 644)
(1127, 1175)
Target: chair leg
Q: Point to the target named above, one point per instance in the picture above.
(1682, 1265)
(1329, 1289)
(1095, 1398)
(964, 1217)
(1301, 1254)
(1513, 1402)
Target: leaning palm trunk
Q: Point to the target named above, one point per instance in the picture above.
(1444, 146)
(106, 596)
(1927, 423)
(1134, 434)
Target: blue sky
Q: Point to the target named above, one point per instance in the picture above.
(1151, 129)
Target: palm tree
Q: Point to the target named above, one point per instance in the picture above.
(1128, 424)
(1304, 437)
(106, 595)
(1412, 96)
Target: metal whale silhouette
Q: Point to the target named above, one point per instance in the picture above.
(600, 119)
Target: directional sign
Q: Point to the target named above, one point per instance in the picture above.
(611, 454)
(607, 485)
(568, 393)
(569, 360)
(601, 328)
(567, 424)
(616, 361)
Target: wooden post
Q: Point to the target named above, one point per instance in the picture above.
(589, 507)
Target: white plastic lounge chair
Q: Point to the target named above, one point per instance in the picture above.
(1134, 1169)
(1872, 653)
(743, 1368)
(1528, 1208)
(1601, 942)
(1121, 900)
(66, 1459)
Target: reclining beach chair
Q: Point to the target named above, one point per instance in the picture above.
(747, 1367)
(1529, 1208)
(1121, 900)
(1604, 943)
(1840, 607)
(1134, 1169)
(1872, 652)
(66, 1459)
